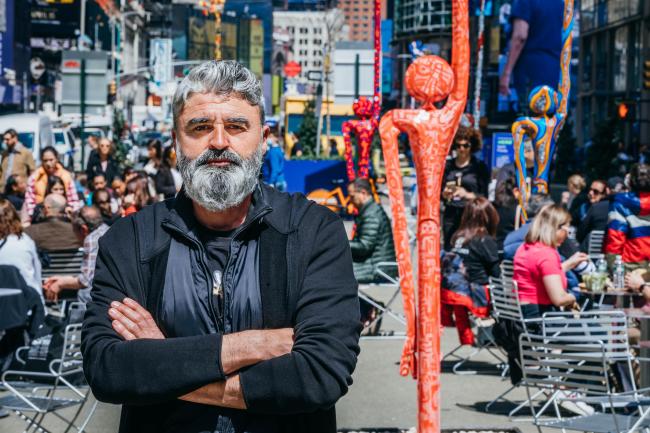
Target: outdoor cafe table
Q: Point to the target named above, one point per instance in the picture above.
(13, 308)
(623, 296)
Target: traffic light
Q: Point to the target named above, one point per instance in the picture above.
(646, 75)
(112, 88)
(626, 110)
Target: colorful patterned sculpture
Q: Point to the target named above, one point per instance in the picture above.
(430, 80)
(543, 128)
(364, 129)
(367, 112)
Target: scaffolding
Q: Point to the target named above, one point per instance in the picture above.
(422, 16)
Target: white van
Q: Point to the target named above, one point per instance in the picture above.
(34, 131)
(64, 143)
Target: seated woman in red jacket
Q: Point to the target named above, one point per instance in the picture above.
(538, 269)
(467, 268)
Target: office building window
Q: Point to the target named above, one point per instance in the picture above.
(621, 40)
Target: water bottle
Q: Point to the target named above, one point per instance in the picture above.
(619, 273)
(601, 264)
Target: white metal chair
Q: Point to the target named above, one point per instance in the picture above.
(506, 307)
(595, 242)
(507, 273)
(52, 391)
(385, 309)
(557, 365)
(63, 262)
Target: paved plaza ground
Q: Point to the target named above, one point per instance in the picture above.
(380, 397)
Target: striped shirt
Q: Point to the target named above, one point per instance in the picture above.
(91, 247)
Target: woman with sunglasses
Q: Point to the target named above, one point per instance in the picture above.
(596, 217)
(465, 178)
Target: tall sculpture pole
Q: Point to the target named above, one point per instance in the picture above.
(430, 80)
(543, 128)
(480, 45)
(367, 112)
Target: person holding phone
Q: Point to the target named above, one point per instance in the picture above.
(465, 178)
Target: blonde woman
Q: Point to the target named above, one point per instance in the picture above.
(538, 269)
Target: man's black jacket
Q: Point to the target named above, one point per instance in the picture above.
(306, 282)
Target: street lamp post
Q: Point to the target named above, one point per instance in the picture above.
(82, 24)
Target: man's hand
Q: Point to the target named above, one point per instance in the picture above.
(132, 321)
(634, 281)
(53, 286)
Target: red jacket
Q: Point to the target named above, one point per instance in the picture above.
(628, 228)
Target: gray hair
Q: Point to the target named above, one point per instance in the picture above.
(537, 203)
(90, 216)
(55, 204)
(223, 78)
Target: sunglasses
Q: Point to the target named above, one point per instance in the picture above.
(596, 191)
(464, 145)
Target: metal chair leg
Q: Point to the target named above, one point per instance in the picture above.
(501, 397)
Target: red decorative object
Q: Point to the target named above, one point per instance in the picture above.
(291, 69)
(429, 80)
(368, 113)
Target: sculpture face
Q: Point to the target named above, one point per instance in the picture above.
(363, 107)
(543, 100)
(429, 79)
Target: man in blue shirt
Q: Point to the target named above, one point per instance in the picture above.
(535, 46)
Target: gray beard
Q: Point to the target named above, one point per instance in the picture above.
(219, 188)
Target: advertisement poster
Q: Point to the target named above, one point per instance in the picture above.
(502, 149)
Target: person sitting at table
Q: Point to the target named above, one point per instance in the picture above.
(596, 218)
(467, 268)
(89, 226)
(17, 248)
(55, 232)
(515, 239)
(373, 238)
(628, 229)
(539, 272)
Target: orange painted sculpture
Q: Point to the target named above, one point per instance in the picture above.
(431, 81)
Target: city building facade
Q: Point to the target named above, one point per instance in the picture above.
(614, 44)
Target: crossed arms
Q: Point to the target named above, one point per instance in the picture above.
(131, 321)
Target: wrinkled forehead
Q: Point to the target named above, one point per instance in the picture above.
(213, 105)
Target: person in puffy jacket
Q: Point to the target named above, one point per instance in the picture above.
(373, 238)
(628, 227)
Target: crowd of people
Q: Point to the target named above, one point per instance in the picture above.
(548, 251)
(47, 208)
